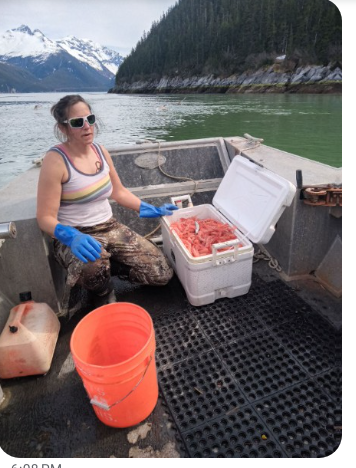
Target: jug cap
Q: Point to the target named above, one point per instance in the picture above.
(25, 296)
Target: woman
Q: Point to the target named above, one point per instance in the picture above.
(76, 180)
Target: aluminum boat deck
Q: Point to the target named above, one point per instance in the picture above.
(254, 376)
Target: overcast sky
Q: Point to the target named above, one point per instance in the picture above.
(117, 24)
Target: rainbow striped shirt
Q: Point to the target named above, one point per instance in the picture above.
(84, 199)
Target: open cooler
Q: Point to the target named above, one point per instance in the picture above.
(251, 199)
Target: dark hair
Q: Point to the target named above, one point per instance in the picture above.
(60, 110)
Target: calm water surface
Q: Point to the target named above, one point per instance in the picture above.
(306, 125)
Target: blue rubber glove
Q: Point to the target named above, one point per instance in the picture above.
(150, 211)
(83, 246)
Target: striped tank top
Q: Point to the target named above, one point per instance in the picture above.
(84, 199)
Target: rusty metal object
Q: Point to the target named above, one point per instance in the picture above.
(327, 195)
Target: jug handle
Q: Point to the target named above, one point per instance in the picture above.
(14, 326)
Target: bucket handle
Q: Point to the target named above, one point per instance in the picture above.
(105, 406)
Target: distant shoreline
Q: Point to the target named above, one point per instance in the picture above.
(310, 88)
(316, 79)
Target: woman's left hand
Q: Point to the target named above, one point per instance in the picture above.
(150, 211)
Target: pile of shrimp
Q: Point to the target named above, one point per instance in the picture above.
(198, 235)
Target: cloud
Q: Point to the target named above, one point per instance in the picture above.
(117, 24)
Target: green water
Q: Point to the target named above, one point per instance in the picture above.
(306, 125)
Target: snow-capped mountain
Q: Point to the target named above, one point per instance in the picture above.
(22, 42)
(95, 55)
(69, 64)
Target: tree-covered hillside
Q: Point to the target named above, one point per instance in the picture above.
(200, 37)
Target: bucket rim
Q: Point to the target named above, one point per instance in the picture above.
(95, 366)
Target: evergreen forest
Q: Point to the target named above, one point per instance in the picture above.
(224, 37)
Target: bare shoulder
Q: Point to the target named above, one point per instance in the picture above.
(53, 157)
(108, 159)
(106, 153)
(114, 176)
(53, 166)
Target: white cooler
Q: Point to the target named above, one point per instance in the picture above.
(250, 198)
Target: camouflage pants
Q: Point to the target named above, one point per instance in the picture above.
(140, 260)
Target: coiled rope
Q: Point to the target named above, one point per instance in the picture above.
(252, 140)
(256, 143)
(272, 262)
(172, 177)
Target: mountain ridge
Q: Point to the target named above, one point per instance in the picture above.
(69, 64)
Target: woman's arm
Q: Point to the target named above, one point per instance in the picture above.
(53, 173)
(120, 194)
(127, 199)
(49, 191)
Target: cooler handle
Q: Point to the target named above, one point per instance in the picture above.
(178, 201)
(231, 243)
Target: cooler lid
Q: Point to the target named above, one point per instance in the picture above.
(253, 198)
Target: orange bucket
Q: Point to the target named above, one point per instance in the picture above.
(113, 349)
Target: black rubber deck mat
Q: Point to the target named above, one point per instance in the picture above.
(178, 339)
(312, 341)
(331, 382)
(261, 365)
(253, 376)
(200, 389)
(241, 435)
(303, 419)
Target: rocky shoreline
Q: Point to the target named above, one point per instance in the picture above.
(311, 79)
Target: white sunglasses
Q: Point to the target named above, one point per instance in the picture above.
(78, 122)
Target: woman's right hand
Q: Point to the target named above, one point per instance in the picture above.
(83, 246)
